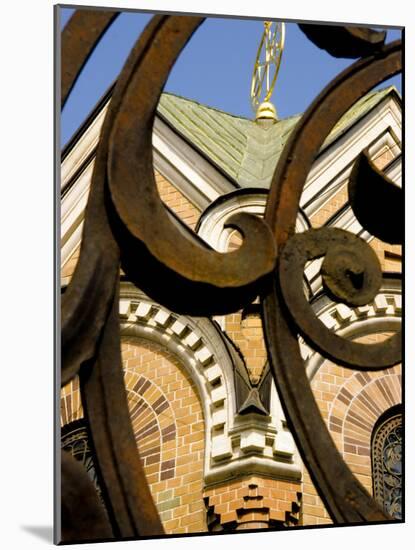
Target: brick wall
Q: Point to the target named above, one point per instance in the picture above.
(245, 330)
(330, 208)
(253, 502)
(350, 403)
(168, 423)
(180, 205)
(171, 197)
(390, 256)
(176, 487)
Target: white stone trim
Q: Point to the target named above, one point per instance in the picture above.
(211, 228)
(176, 160)
(211, 225)
(347, 220)
(85, 146)
(335, 163)
(382, 315)
(193, 175)
(234, 443)
(201, 183)
(72, 213)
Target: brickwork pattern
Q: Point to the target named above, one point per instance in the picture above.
(330, 208)
(168, 422)
(253, 503)
(153, 423)
(245, 330)
(340, 198)
(171, 197)
(390, 256)
(175, 200)
(169, 428)
(70, 405)
(350, 403)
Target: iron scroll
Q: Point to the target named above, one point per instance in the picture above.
(126, 227)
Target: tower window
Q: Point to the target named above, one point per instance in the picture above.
(387, 463)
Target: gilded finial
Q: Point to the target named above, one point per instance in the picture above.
(267, 65)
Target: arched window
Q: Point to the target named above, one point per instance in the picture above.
(74, 439)
(387, 462)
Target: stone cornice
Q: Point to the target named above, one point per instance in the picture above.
(234, 444)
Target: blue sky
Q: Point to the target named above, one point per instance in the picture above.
(215, 68)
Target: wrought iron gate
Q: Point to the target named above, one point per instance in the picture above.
(126, 226)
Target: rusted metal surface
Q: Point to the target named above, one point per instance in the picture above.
(350, 42)
(351, 274)
(119, 467)
(345, 498)
(127, 226)
(367, 181)
(212, 282)
(86, 522)
(82, 33)
(87, 300)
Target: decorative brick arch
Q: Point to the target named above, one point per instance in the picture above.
(167, 422)
(381, 315)
(348, 399)
(202, 353)
(146, 402)
(234, 444)
(152, 417)
(153, 422)
(359, 403)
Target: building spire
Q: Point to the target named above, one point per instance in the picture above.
(267, 64)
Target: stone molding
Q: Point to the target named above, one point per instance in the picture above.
(359, 403)
(235, 445)
(381, 315)
(379, 126)
(211, 227)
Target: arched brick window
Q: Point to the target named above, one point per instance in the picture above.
(387, 462)
(74, 439)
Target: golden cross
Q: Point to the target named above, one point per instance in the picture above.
(267, 63)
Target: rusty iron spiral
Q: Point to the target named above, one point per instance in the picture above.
(126, 226)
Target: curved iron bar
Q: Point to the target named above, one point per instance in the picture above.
(113, 220)
(366, 180)
(211, 282)
(118, 464)
(340, 41)
(91, 346)
(86, 522)
(79, 39)
(88, 298)
(345, 498)
(352, 270)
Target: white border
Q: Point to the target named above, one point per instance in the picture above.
(26, 275)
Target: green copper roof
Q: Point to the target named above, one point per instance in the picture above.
(244, 150)
(221, 137)
(359, 109)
